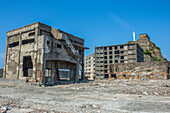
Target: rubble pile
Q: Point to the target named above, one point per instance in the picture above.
(123, 86)
(105, 96)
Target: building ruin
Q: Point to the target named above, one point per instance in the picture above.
(114, 54)
(89, 67)
(39, 53)
(156, 70)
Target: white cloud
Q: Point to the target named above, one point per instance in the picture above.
(121, 22)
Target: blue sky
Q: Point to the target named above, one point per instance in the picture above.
(99, 22)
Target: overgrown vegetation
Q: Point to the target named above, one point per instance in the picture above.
(147, 52)
(156, 58)
(129, 42)
(158, 48)
(150, 49)
(153, 43)
(148, 70)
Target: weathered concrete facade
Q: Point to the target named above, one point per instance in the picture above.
(37, 52)
(106, 55)
(141, 70)
(89, 67)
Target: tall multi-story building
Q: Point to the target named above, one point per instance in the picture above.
(124, 53)
(89, 67)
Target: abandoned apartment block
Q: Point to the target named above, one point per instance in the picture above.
(89, 67)
(40, 53)
(114, 54)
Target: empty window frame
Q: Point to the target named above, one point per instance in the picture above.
(116, 52)
(122, 57)
(27, 41)
(106, 76)
(110, 52)
(13, 44)
(105, 62)
(31, 34)
(121, 47)
(59, 46)
(116, 61)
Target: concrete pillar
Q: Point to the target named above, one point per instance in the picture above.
(82, 72)
(53, 70)
(37, 33)
(110, 71)
(43, 63)
(73, 73)
(77, 73)
(19, 55)
(57, 78)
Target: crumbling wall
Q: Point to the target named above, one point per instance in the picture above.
(142, 70)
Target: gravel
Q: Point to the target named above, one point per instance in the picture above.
(102, 96)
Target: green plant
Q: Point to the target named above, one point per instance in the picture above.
(156, 58)
(150, 49)
(153, 43)
(147, 52)
(158, 48)
(148, 70)
(129, 42)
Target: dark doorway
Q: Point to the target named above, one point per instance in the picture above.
(27, 66)
(113, 76)
(106, 76)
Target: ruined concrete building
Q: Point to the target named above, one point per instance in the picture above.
(106, 55)
(142, 70)
(40, 53)
(89, 67)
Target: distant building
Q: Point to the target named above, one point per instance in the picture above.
(114, 54)
(89, 67)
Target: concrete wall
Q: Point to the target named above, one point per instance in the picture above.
(142, 70)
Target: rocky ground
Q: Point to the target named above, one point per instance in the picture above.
(102, 96)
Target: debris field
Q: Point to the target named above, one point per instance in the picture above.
(100, 96)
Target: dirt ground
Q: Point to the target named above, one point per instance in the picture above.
(104, 96)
